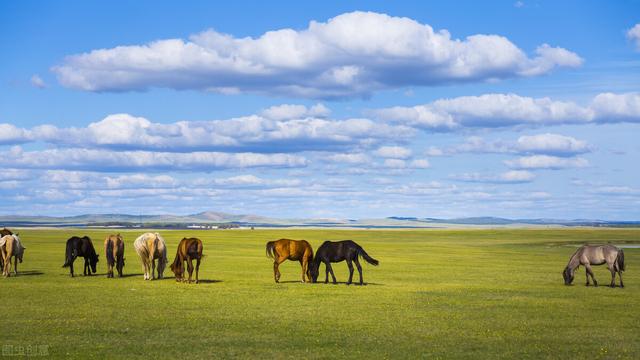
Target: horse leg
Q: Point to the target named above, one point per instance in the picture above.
(359, 268)
(333, 276)
(71, 266)
(86, 265)
(153, 269)
(613, 275)
(276, 269)
(326, 277)
(590, 272)
(190, 267)
(302, 266)
(15, 265)
(350, 265)
(197, 269)
(620, 275)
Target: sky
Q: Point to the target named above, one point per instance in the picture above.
(345, 109)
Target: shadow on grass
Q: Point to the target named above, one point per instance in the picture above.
(330, 283)
(28, 273)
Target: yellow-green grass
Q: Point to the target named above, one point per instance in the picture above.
(437, 294)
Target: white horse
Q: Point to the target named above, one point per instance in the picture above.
(151, 246)
(10, 245)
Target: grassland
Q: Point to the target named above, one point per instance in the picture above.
(437, 294)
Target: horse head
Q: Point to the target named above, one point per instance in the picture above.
(568, 274)
(94, 262)
(314, 271)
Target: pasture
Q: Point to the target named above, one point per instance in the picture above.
(436, 294)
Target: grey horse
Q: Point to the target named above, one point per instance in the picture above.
(588, 255)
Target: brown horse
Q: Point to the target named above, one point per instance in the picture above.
(188, 249)
(114, 249)
(588, 255)
(286, 249)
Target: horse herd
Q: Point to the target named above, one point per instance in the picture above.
(151, 247)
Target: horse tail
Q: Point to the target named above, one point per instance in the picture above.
(620, 260)
(271, 249)
(368, 258)
(109, 250)
(68, 258)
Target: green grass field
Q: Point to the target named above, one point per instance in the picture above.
(437, 294)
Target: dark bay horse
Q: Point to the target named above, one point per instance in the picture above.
(114, 251)
(588, 255)
(287, 249)
(188, 249)
(81, 247)
(338, 251)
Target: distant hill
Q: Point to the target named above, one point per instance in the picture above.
(211, 218)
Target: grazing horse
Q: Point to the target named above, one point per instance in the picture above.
(588, 255)
(81, 247)
(283, 249)
(188, 249)
(151, 246)
(114, 249)
(4, 232)
(337, 251)
(10, 245)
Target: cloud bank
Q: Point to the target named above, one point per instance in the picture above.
(350, 55)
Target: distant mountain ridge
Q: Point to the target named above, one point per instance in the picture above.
(215, 218)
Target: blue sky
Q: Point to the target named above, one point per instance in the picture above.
(519, 109)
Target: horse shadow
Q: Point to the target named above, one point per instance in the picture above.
(29, 273)
(330, 283)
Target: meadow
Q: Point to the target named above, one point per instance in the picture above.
(437, 293)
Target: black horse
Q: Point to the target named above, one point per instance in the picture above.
(81, 247)
(337, 251)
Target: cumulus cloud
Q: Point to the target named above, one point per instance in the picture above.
(546, 162)
(393, 152)
(541, 144)
(633, 34)
(352, 54)
(121, 161)
(253, 133)
(509, 177)
(503, 110)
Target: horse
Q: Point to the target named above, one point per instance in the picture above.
(283, 249)
(81, 247)
(10, 245)
(588, 255)
(338, 251)
(151, 246)
(188, 249)
(114, 249)
(4, 232)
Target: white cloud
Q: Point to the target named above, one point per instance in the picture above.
(251, 133)
(552, 144)
(633, 34)
(106, 160)
(546, 162)
(509, 177)
(352, 54)
(393, 152)
(540, 144)
(37, 82)
(10, 134)
(502, 110)
(351, 158)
